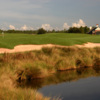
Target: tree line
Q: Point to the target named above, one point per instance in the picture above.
(42, 31)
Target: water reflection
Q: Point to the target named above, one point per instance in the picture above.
(60, 77)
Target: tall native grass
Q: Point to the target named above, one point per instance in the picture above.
(15, 66)
(10, 91)
(40, 64)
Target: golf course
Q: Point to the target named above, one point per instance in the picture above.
(42, 63)
(67, 39)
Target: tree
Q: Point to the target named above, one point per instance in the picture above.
(74, 30)
(41, 31)
(81, 29)
(86, 29)
(78, 30)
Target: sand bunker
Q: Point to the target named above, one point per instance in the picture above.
(89, 45)
(23, 48)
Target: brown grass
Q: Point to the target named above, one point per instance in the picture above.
(40, 64)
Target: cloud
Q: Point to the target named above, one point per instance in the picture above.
(79, 23)
(46, 27)
(12, 27)
(26, 28)
(90, 27)
(57, 29)
(65, 26)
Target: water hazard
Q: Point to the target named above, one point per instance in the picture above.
(80, 84)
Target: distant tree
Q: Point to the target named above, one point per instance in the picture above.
(65, 31)
(81, 29)
(0, 31)
(41, 31)
(53, 31)
(78, 30)
(74, 30)
(86, 29)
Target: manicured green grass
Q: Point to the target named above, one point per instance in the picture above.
(11, 40)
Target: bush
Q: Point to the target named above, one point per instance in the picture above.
(41, 31)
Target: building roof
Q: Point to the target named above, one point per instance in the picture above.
(98, 29)
(95, 29)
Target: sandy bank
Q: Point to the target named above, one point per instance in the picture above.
(23, 48)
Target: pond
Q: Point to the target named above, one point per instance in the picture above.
(84, 89)
(80, 84)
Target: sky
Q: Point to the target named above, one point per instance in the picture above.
(48, 14)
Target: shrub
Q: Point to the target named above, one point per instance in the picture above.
(41, 31)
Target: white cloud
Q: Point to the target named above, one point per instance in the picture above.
(65, 26)
(79, 23)
(90, 27)
(46, 27)
(26, 28)
(12, 27)
(4, 26)
(57, 29)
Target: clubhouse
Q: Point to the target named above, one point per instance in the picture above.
(95, 30)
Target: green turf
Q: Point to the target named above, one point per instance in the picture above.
(11, 40)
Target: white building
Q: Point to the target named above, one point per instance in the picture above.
(95, 30)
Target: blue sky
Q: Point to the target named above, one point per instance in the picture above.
(33, 14)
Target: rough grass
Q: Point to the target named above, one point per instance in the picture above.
(39, 64)
(10, 91)
(11, 40)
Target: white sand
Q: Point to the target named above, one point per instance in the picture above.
(89, 45)
(22, 48)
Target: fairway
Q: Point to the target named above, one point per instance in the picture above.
(67, 39)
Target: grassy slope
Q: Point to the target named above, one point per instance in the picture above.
(11, 40)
